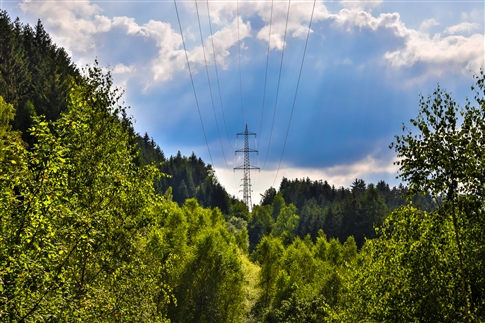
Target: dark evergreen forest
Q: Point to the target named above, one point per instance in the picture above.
(98, 225)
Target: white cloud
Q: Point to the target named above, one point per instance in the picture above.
(349, 19)
(223, 40)
(170, 56)
(73, 22)
(160, 32)
(464, 27)
(224, 12)
(123, 69)
(451, 53)
(428, 23)
(296, 26)
(473, 16)
(74, 25)
(361, 4)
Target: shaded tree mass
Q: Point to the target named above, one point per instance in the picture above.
(339, 212)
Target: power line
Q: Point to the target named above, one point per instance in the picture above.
(296, 91)
(192, 80)
(209, 82)
(266, 73)
(235, 180)
(217, 74)
(239, 59)
(259, 173)
(279, 79)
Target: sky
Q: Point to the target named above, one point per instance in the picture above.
(325, 100)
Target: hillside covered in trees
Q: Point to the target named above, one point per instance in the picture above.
(98, 225)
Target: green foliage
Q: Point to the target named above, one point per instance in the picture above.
(208, 281)
(35, 75)
(239, 209)
(242, 240)
(342, 212)
(260, 225)
(204, 269)
(73, 210)
(268, 255)
(332, 289)
(299, 263)
(7, 114)
(409, 272)
(189, 177)
(250, 288)
(278, 204)
(428, 266)
(268, 196)
(83, 234)
(312, 218)
(294, 279)
(334, 252)
(321, 247)
(210, 287)
(238, 227)
(446, 158)
(444, 152)
(287, 221)
(349, 250)
(296, 309)
(150, 152)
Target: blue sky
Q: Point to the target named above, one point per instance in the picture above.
(366, 64)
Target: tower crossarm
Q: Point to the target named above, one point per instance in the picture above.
(244, 167)
(248, 150)
(246, 134)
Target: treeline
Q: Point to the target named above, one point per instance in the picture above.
(340, 213)
(190, 177)
(35, 74)
(300, 191)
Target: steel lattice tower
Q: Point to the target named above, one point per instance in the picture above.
(247, 166)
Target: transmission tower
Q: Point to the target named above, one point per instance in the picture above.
(247, 166)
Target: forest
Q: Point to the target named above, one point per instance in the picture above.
(98, 225)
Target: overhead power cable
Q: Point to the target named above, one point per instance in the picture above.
(296, 91)
(266, 73)
(239, 59)
(192, 80)
(217, 75)
(209, 82)
(278, 86)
